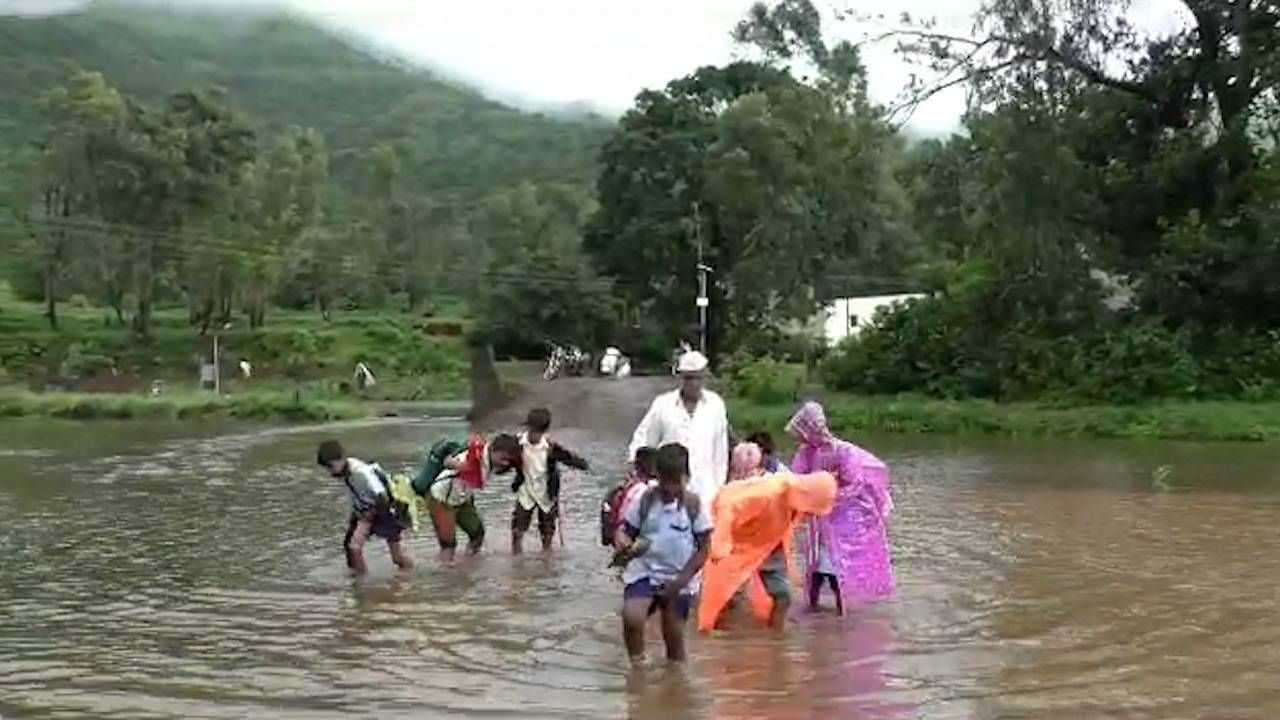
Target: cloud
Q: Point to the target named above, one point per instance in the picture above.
(594, 53)
(39, 8)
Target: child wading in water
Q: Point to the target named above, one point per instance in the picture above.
(537, 483)
(771, 463)
(666, 532)
(371, 507)
(642, 475)
(449, 480)
(750, 461)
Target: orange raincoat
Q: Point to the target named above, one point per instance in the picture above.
(752, 517)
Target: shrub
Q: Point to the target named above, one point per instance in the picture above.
(1137, 363)
(936, 347)
(84, 360)
(763, 380)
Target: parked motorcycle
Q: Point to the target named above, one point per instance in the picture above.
(565, 360)
(555, 363)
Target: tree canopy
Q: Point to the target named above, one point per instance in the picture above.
(773, 183)
(235, 162)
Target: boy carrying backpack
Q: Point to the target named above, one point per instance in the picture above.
(452, 472)
(375, 509)
(642, 474)
(666, 534)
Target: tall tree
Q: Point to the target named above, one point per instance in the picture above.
(1214, 69)
(771, 181)
(532, 283)
(82, 121)
(287, 195)
(169, 171)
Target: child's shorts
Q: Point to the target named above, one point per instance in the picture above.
(384, 526)
(522, 519)
(646, 588)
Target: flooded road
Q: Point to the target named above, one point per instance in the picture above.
(160, 571)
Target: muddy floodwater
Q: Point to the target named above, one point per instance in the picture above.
(195, 571)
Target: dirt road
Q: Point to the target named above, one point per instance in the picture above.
(604, 407)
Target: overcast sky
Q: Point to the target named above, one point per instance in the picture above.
(602, 52)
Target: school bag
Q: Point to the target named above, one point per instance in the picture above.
(433, 466)
(614, 506)
(691, 502)
(400, 497)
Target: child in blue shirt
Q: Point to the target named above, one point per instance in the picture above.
(671, 533)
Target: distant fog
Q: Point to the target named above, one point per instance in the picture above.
(36, 8)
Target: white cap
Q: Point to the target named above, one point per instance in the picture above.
(692, 362)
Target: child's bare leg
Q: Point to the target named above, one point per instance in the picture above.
(475, 542)
(468, 518)
(399, 555)
(673, 625)
(634, 615)
(520, 519)
(446, 531)
(778, 616)
(355, 546)
(547, 528)
(835, 588)
(815, 589)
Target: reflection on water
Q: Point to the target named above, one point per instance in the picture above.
(195, 571)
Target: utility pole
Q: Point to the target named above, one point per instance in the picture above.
(703, 301)
(217, 369)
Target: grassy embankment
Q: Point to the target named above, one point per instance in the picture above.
(91, 367)
(765, 403)
(180, 406)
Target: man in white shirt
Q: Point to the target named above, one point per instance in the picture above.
(694, 417)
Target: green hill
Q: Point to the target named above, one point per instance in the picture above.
(285, 71)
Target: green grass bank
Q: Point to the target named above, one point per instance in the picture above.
(180, 406)
(301, 363)
(1198, 421)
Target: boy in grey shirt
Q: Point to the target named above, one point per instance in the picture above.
(370, 507)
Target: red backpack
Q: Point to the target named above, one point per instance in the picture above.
(614, 505)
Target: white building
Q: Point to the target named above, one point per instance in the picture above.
(846, 317)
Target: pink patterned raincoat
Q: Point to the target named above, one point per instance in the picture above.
(852, 542)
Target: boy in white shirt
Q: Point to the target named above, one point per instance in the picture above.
(668, 531)
(537, 481)
(370, 506)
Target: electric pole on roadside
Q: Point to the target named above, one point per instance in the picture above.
(217, 367)
(703, 301)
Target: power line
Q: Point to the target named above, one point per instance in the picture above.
(192, 243)
(181, 243)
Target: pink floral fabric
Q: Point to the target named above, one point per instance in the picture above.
(855, 534)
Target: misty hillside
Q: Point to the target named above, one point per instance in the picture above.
(285, 71)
